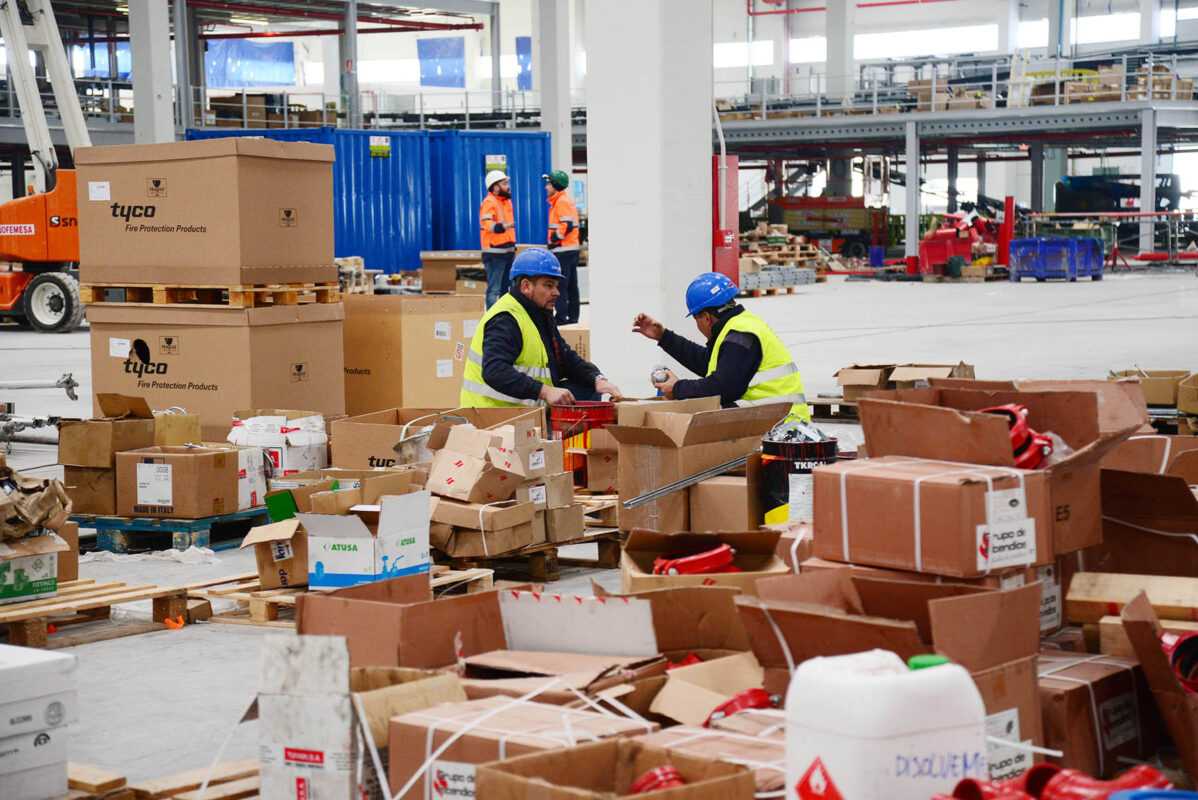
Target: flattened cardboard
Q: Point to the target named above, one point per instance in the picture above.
(281, 551)
(1120, 403)
(755, 558)
(1146, 522)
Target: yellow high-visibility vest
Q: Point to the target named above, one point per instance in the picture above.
(777, 377)
(533, 360)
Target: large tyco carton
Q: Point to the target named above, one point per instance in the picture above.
(407, 350)
(177, 482)
(943, 424)
(126, 424)
(235, 211)
(214, 361)
(754, 559)
(993, 634)
(371, 543)
(663, 441)
(295, 441)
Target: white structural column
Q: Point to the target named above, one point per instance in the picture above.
(649, 197)
(1008, 25)
(551, 68)
(840, 22)
(184, 98)
(911, 170)
(1060, 26)
(1147, 176)
(153, 89)
(1150, 21)
(496, 59)
(1056, 166)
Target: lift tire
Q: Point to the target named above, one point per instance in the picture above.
(854, 248)
(51, 303)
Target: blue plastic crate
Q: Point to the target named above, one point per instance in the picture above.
(1024, 258)
(1088, 258)
(1057, 260)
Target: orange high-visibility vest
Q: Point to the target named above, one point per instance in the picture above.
(561, 211)
(494, 210)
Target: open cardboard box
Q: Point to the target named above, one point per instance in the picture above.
(909, 376)
(1156, 454)
(1119, 402)
(993, 634)
(755, 558)
(765, 754)
(663, 441)
(857, 379)
(1158, 385)
(942, 424)
(513, 673)
(1146, 522)
(127, 424)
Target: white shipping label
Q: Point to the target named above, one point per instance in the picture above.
(1119, 720)
(444, 367)
(469, 326)
(281, 551)
(536, 460)
(451, 779)
(1007, 544)
(459, 351)
(1005, 761)
(154, 485)
(1012, 581)
(801, 497)
(306, 758)
(442, 330)
(1006, 505)
(99, 191)
(1050, 598)
(119, 348)
(537, 494)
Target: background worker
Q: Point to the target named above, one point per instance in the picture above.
(744, 362)
(564, 242)
(497, 222)
(518, 357)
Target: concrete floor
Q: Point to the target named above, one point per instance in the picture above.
(161, 702)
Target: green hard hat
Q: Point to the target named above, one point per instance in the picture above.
(559, 179)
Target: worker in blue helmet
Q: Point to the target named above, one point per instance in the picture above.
(517, 355)
(743, 363)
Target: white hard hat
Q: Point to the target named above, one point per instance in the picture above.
(494, 177)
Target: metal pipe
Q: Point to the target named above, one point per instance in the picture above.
(810, 9)
(283, 11)
(722, 167)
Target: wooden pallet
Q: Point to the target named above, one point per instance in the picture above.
(600, 510)
(769, 291)
(541, 562)
(134, 534)
(230, 780)
(258, 606)
(833, 409)
(87, 782)
(210, 295)
(31, 623)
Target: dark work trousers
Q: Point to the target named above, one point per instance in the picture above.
(499, 269)
(568, 304)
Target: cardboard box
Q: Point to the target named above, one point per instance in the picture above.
(578, 336)
(295, 441)
(940, 517)
(307, 703)
(407, 350)
(602, 467)
(857, 379)
(1187, 395)
(37, 691)
(940, 424)
(469, 286)
(754, 559)
(766, 754)
(463, 469)
(176, 482)
(1159, 385)
(281, 550)
(663, 441)
(252, 485)
(1135, 505)
(397, 436)
(565, 524)
(794, 545)
(534, 459)
(373, 543)
(474, 529)
(691, 693)
(176, 428)
(439, 268)
(507, 732)
(1075, 688)
(725, 503)
(126, 423)
(92, 490)
(993, 634)
(213, 361)
(608, 769)
(29, 569)
(33, 766)
(1155, 454)
(395, 623)
(239, 210)
(68, 560)
(549, 491)
(909, 376)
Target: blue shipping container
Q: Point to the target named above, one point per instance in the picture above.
(459, 161)
(381, 199)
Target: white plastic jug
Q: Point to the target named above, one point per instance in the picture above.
(865, 727)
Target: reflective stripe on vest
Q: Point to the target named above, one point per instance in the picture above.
(533, 360)
(777, 379)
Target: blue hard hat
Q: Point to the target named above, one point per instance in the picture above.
(536, 263)
(709, 290)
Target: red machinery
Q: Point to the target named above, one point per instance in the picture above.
(841, 224)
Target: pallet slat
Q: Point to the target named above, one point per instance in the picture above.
(210, 295)
(170, 786)
(88, 778)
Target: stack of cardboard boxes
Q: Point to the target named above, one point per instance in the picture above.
(243, 215)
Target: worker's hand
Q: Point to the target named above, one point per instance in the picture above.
(666, 387)
(646, 326)
(604, 386)
(555, 396)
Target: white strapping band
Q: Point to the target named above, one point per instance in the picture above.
(1125, 523)
(1051, 672)
(1165, 455)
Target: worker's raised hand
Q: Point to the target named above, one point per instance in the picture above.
(555, 396)
(646, 326)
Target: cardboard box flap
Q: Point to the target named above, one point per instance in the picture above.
(469, 440)
(334, 526)
(895, 428)
(633, 413)
(983, 630)
(926, 372)
(120, 406)
(907, 600)
(1156, 454)
(274, 532)
(692, 618)
(759, 542)
(1179, 708)
(1158, 502)
(832, 588)
(205, 148)
(721, 425)
(691, 693)
(1071, 415)
(33, 546)
(863, 374)
(525, 663)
